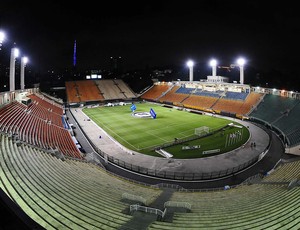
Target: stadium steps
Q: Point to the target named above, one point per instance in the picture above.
(254, 107)
(164, 197)
(215, 102)
(121, 91)
(29, 186)
(21, 198)
(286, 172)
(65, 194)
(257, 207)
(181, 102)
(87, 200)
(142, 220)
(164, 93)
(84, 206)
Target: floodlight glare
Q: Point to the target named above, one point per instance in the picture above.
(213, 62)
(25, 60)
(2, 36)
(16, 52)
(241, 61)
(190, 63)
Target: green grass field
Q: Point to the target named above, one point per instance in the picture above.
(146, 134)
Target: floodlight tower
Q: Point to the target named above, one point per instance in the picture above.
(24, 61)
(213, 64)
(190, 64)
(13, 55)
(241, 63)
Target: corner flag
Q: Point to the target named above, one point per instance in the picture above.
(153, 114)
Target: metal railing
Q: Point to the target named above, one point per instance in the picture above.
(134, 198)
(178, 204)
(186, 176)
(136, 207)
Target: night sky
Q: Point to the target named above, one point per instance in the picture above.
(154, 33)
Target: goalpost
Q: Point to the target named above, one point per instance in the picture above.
(201, 131)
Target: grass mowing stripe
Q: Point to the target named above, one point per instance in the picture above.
(143, 134)
(105, 127)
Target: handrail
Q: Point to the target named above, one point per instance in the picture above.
(178, 204)
(134, 198)
(137, 207)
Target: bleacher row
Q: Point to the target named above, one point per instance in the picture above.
(282, 113)
(219, 101)
(64, 194)
(38, 125)
(277, 111)
(97, 90)
(72, 194)
(217, 93)
(47, 103)
(256, 206)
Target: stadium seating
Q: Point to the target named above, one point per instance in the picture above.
(173, 97)
(282, 113)
(156, 91)
(71, 193)
(72, 92)
(83, 91)
(61, 194)
(128, 93)
(46, 103)
(256, 206)
(65, 194)
(35, 126)
(231, 102)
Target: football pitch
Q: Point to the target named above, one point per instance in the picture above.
(172, 130)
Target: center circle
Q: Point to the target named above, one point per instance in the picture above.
(142, 114)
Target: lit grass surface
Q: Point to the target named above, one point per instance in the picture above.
(145, 134)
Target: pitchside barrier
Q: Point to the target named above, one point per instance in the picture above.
(179, 175)
(171, 175)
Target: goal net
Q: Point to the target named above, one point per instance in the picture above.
(201, 131)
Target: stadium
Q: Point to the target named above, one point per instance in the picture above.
(180, 155)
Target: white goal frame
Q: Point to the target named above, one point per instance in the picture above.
(201, 131)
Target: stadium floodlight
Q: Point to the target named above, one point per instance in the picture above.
(24, 61)
(190, 64)
(241, 63)
(13, 55)
(2, 38)
(213, 64)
